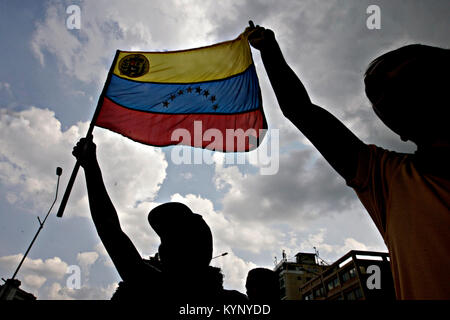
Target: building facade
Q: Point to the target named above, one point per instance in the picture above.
(294, 274)
(358, 275)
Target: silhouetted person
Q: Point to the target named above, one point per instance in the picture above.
(407, 195)
(262, 286)
(182, 273)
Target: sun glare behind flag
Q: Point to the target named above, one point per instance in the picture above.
(206, 97)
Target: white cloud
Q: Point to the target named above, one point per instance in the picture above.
(86, 259)
(32, 144)
(34, 281)
(100, 249)
(229, 231)
(103, 255)
(34, 272)
(49, 268)
(333, 251)
(235, 270)
(293, 210)
(304, 189)
(110, 25)
(58, 292)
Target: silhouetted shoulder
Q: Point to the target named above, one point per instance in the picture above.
(233, 296)
(147, 284)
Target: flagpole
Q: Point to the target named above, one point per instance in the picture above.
(73, 176)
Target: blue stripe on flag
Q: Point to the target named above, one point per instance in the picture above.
(236, 94)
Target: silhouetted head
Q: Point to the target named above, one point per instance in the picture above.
(408, 89)
(186, 239)
(262, 285)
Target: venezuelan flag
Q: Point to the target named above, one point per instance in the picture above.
(211, 94)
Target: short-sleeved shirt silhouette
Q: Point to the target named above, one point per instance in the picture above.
(412, 212)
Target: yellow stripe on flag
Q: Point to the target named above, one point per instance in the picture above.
(213, 62)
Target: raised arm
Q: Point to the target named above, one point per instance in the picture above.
(119, 247)
(333, 139)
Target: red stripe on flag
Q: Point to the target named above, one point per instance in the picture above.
(221, 132)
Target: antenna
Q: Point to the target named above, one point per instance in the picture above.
(41, 224)
(220, 255)
(319, 258)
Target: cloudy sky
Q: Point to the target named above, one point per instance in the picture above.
(50, 80)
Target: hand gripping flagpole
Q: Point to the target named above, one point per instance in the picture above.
(65, 198)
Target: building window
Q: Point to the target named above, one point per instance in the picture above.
(319, 292)
(308, 296)
(350, 296)
(352, 273)
(335, 282)
(282, 292)
(354, 294)
(345, 277)
(330, 285)
(358, 293)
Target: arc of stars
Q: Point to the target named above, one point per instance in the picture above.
(197, 90)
